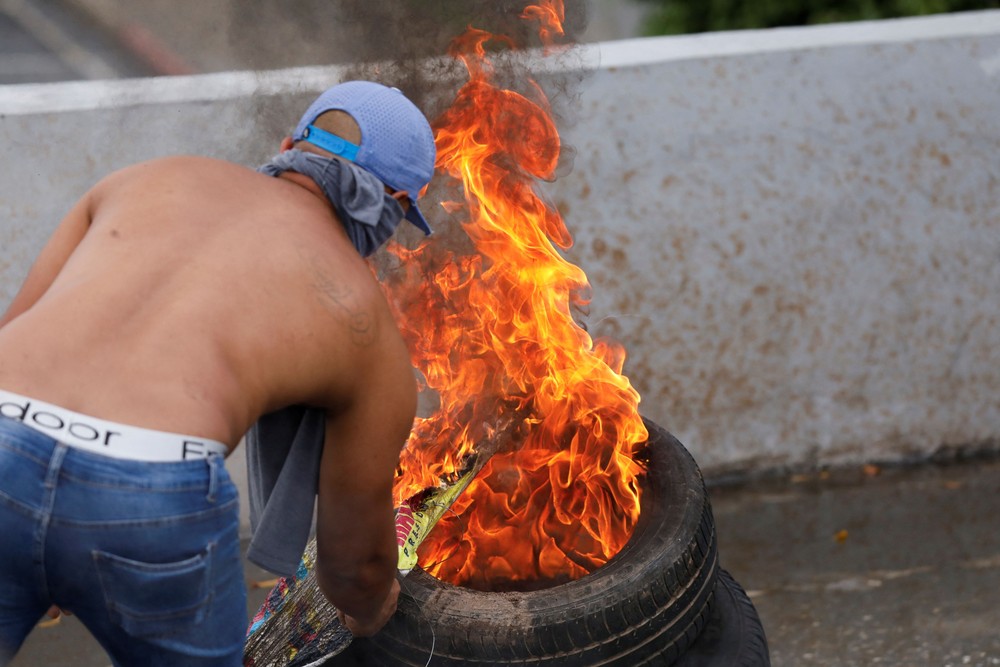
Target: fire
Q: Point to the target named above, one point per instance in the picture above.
(492, 332)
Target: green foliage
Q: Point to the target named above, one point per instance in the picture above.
(670, 17)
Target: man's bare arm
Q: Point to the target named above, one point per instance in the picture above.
(52, 258)
(357, 553)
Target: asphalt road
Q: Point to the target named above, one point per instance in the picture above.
(43, 41)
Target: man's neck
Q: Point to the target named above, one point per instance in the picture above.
(310, 185)
(307, 183)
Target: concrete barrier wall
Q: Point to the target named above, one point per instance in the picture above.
(795, 233)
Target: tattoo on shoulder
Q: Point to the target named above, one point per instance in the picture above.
(345, 305)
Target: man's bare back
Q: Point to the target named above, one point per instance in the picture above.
(188, 297)
(202, 295)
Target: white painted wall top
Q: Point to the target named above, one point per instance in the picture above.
(646, 51)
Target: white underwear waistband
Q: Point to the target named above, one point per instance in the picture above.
(105, 437)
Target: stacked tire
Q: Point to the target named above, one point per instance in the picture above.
(662, 600)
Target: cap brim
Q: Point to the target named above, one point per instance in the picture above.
(417, 218)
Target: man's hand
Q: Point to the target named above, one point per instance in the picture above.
(368, 628)
(55, 612)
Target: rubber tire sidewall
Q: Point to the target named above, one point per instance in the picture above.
(651, 599)
(734, 635)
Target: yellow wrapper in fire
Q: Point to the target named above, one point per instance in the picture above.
(415, 518)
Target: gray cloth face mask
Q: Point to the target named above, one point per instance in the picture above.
(369, 214)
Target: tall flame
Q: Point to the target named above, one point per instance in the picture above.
(493, 334)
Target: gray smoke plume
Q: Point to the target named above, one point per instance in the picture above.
(391, 41)
(282, 33)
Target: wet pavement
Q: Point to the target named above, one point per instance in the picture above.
(871, 567)
(853, 567)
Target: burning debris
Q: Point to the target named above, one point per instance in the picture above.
(492, 332)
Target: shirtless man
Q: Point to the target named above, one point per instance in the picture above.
(178, 301)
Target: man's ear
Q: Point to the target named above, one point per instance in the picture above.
(403, 197)
(287, 144)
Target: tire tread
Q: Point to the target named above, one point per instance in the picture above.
(617, 625)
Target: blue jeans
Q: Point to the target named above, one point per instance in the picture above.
(146, 555)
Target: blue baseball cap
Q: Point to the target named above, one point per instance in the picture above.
(397, 143)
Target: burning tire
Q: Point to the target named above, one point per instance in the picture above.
(645, 607)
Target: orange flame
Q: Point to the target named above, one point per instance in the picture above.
(493, 334)
(550, 14)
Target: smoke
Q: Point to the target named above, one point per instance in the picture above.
(395, 42)
(309, 32)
